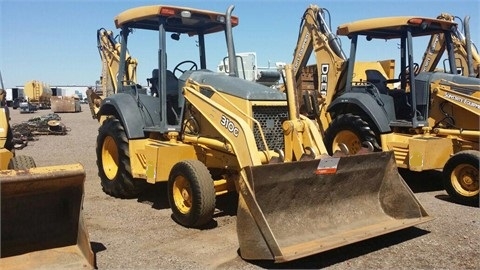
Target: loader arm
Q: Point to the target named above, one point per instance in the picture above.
(234, 129)
(301, 134)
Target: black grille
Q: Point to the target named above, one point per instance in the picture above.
(270, 119)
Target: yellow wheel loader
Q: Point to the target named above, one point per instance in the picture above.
(430, 120)
(208, 133)
(42, 224)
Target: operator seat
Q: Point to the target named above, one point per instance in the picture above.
(173, 110)
(172, 83)
(401, 99)
(376, 78)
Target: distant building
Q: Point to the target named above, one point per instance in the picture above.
(69, 90)
(64, 90)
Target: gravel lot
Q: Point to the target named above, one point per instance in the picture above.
(140, 233)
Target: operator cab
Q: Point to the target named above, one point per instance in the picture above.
(164, 83)
(408, 104)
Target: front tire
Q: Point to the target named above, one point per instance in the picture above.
(350, 130)
(21, 163)
(191, 193)
(113, 161)
(460, 177)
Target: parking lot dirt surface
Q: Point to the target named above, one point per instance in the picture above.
(141, 234)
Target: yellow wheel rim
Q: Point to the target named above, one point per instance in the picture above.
(465, 180)
(182, 194)
(110, 157)
(350, 139)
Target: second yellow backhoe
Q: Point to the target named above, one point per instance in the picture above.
(207, 133)
(429, 119)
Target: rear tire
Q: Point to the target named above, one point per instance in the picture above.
(113, 161)
(21, 163)
(350, 130)
(191, 193)
(460, 177)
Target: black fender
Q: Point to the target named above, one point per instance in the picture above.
(131, 112)
(379, 112)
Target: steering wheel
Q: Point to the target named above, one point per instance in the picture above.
(193, 66)
(406, 73)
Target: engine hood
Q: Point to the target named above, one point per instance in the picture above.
(233, 85)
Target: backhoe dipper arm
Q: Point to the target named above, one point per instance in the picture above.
(315, 36)
(433, 53)
(110, 50)
(464, 51)
(110, 54)
(435, 48)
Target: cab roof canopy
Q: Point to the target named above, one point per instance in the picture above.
(394, 27)
(177, 19)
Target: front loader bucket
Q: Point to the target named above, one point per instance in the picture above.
(41, 220)
(291, 210)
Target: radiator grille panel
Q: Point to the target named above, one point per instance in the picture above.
(270, 119)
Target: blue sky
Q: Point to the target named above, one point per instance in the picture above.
(55, 41)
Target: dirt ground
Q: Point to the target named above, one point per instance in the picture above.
(141, 234)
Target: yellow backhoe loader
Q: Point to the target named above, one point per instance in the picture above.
(209, 133)
(42, 223)
(430, 120)
(467, 59)
(109, 50)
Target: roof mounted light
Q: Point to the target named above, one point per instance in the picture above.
(221, 19)
(420, 22)
(186, 14)
(166, 11)
(416, 21)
